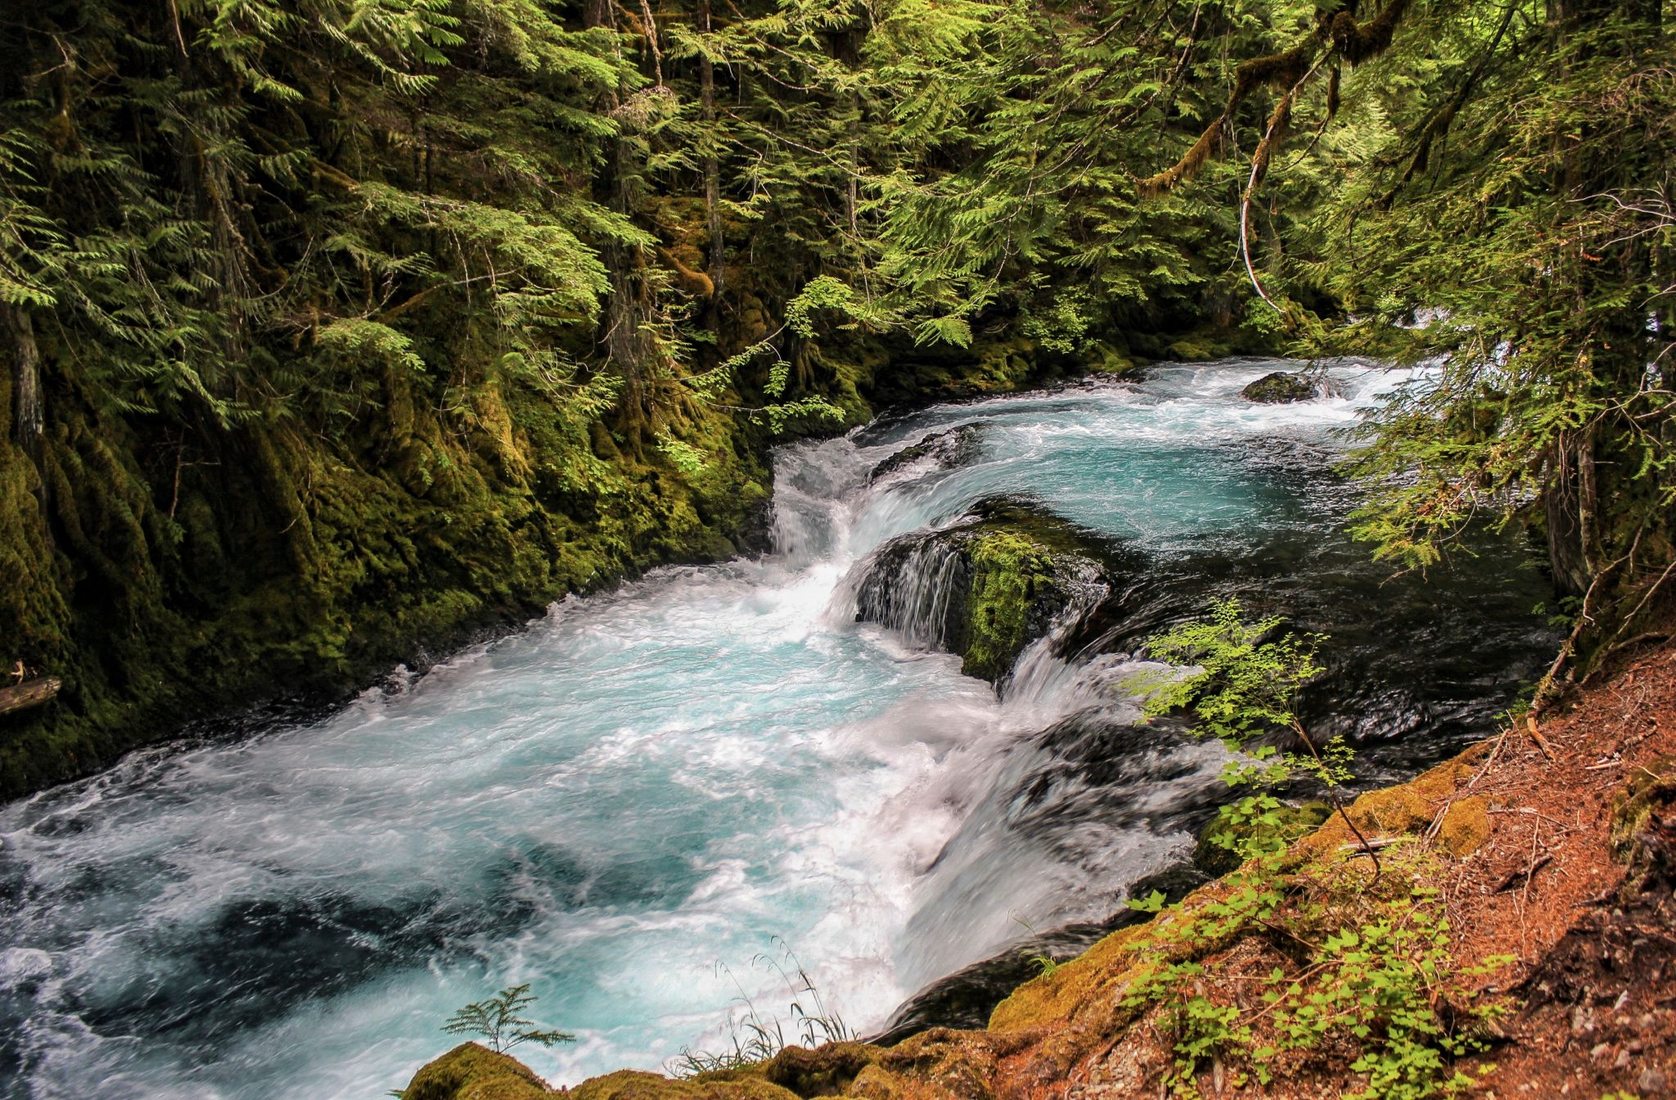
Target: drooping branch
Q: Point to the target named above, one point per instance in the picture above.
(1282, 70)
(1280, 120)
(1289, 70)
(1437, 125)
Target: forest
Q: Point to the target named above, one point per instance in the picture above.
(349, 336)
(340, 329)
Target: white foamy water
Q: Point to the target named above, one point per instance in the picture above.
(628, 802)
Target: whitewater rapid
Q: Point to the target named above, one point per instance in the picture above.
(654, 805)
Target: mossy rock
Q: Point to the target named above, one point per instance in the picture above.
(1392, 811)
(639, 1085)
(984, 589)
(1465, 826)
(1103, 358)
(1279, 388)
(1408, 808)
(473, 1072)
(824, 1071)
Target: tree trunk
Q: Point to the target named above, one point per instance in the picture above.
(29, 694)
(28, 412)
(1568, 508)
(712, 170)
(1577, 547)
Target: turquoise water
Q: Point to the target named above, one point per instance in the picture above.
(641, 801)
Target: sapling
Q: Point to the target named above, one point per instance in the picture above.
(1241, 682)
(497, 1021)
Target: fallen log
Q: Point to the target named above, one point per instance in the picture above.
(30, 693)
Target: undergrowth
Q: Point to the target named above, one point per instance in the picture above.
(1319, 967)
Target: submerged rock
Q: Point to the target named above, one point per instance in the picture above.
(984, 589)
(946, 450)
(1280, 388)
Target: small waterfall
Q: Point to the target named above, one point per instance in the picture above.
(915, 586)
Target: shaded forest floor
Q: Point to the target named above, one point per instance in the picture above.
(1589, 789)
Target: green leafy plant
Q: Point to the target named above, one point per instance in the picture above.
(1365, 966)
(498, 1022)
(1240, 680)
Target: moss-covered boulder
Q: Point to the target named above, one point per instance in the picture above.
(473, 1072)
(746, 1084)
(1279, 388)
(986, 588)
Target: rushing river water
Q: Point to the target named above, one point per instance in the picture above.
(637, 800)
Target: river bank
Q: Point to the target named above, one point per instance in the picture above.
(1534, 873)
(165, 586)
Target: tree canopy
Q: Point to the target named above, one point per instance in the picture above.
(509, 271)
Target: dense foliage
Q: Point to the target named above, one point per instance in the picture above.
(336, 327)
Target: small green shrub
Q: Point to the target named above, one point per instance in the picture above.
(497, 1023)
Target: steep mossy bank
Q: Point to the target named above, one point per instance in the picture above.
(167, 578)
(164, 580)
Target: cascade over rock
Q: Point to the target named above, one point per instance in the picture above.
(984, 588)
(941, 450)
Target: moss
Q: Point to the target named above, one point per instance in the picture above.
(278, 562)
(1465, 826)
(1651, 790)
(1392, 810)
(473, 1072)
(1107, 359)
(1279, 388)
(1051, 998)
(1199, 347)
(1010, 573)
(637, 1085)
(824, 1071)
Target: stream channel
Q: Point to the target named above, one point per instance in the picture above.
(651, 804)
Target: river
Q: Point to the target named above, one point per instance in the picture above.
(655, 804)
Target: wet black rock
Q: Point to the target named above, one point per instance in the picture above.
(965, 998)
(946, 450)
(1279, 388)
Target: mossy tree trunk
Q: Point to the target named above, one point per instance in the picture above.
(28, 413)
